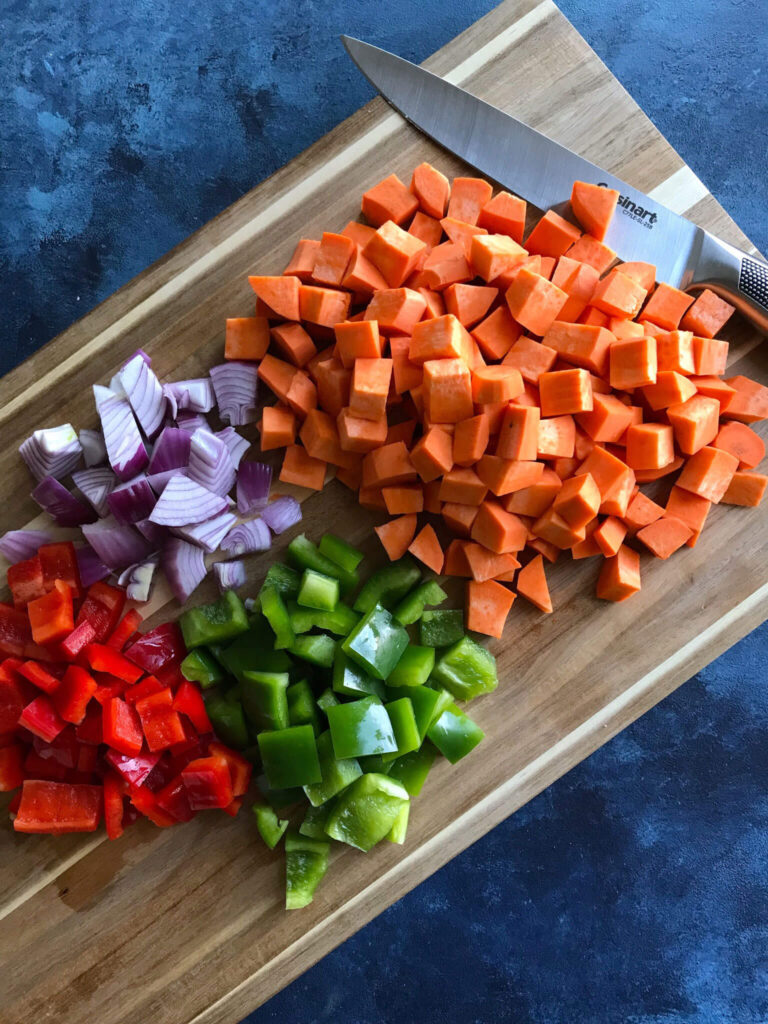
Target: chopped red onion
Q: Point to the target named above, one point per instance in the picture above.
(91, 567)
(191, 421)
(127, 454)
(253, 483)
(229, 575)
(282, 513)
(235, 386)
(156, 535)
(19, 545)
(61, 504)
(96, 484)
(210, 463)
(183, 503)
(145, 393)
(139, 352)
(171, 451)
(246, 537)
(184, 567)
(235, 442)
(102, 394)
(92, 443)
(209, 534)
(52, 452)
(116, 545)
(191, 395)
(138, 579)
(133, 501)
(159, 481)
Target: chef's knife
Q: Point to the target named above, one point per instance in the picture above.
(542, 171)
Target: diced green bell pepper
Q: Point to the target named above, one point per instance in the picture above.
(318, 591)
(340, 552)
(375, 763)
(327, 699)
(427, 703)
(337, 772)
(302, 708)
(304, 555)
(201, 667)
(412, 606)
(361, 727)
(404, 726)
(213, 623)
(315, 821)
(271, 828)
(228, 721)
(283, 578)
(441, 627)
(351, 680)
(290, 757)
(319, 649)
(376, 643)
(340, 621)
(455, 734)
(414, 668)
(276, 614)
(306, 861)
(366, 811)
(280, 798)
(252, 651)
(412, 769)
(466, 670)
(399, 826)
(264, 699)
(388, 585)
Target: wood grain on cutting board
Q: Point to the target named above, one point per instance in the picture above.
(187, 925)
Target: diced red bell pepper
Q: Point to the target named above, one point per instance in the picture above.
(109, 687)
(161, 724)
(135, 770)
(89, 730)
(121, 727)
(52, 616)
(162, 773)
(41, 677)
(125, 629)
(162, 646)
(82, 635)
(106, 659)
(64, 749)
(87, 760)
(208, 783)
(42, 718)
(9, 669)
(37, 767)
(58, 807)
(15, 631)
(173, 799)
(25, 581)
(182, 753)
(145, 688)
(12, 700)
(189, 701)
(72, 697)
(59, 562)
(239, 769)
(102, 607)
(170, 675)
(11, 767)
(113, 805)
(13, 806)
(234, 807)
(7, 739)
(145, 800)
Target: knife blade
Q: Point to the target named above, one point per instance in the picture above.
(542, 171)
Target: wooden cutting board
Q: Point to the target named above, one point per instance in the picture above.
(187, 925)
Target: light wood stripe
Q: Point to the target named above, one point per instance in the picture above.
(680, 191)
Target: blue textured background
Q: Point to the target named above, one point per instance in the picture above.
(634, 889)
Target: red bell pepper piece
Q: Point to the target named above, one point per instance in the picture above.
(57, 807)
(87, 760)
(108, 687)
(106, 659)
(145, 800)
(170, 675)
(37, 767)
(52, 616)
(7, 739)
(59, 562)
(12, 700)
(11, 767)
(73, 645)
(162, 646)
(102, 607)
(125, 629)
(121, 727)
(147, 686)
(76, 689)
(41, 677)
(9, 669)
(15, 631)
(63, 749)
(89, 730)
(13, 806)
(239, 769)
(173, 799)
(135, 770)
(42, 719)
(234, 807)
(189, 701)
(161, 724)
(113, 805)
(25, 581)
(208, 783)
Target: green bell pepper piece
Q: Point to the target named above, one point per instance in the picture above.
(337, 773)
(455, 734)
(399, 826)
(252, 651)
(441, 628)
(318, 591)
(302, 709)
(276, 614)
(414, 668)
(375, 763)
(388, 585)
(340, 552)
(352, 681)
(361, 727)
(264, 699)
(412, 769)
(327, 699)
(212, 623)
(427, 704)
(304, 555)
(280, 798)
(306, 861)
(376, 643)
(319, 650)
(201, 667)
(271, 828)
(228, 721)
(412, 606)
(404, 727)
(466, 670)
(283, 578)
(366, 811)
(315, 821)
(341, 620)
(290, 757)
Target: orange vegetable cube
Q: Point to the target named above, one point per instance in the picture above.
(592, 252)
(360, 435)
(618, 295)
(551, 527)
(556, 437)
(666, 306)
(389, 200)
(519, 433)
(620, 576)
(695, 423)
(498, 530)
(463, 486)
(565, 391)
(294, 343)
(494, 255)
(484, 564)
(432, 189)
(394, 252)
(396, 310)
(665, 536)
(446, 264)
(442, 338)
(504, 215)
(750, 403)
(610, 535)
(606, 470)
(643, 273)
(670, 388)
(689, 508)
(708, 473)
(324, 306)
(281, 294)
(396, 535)
(320, 437)
(488, 604)
(713, 387)
(552, 235)
(458, 518)
(469, 302)
(496, 384)
(534, 301)
(608, 419)
(650, 446)
(741, 441)
(390, 464)
(674, 351)
(370, 387)
(536, 498)
(461, 233)
(432, 455)
(496, 334)
(707, 315)
(532, 584)
(710, 356)
(578, 500)
(582, 345)
(333, 258)
(357, 340)
(447, 390)
(247, 337)
(277, 375)
(593, 206)
(623, 329)
(633, 363)
(746, 488)
(470, 439)
(402, 499)
(333, 386)
(468, 197)
(300, 468)
(426, 547)
(592, 317)
(302, 262)
(504, 476)
(429, 230)
(360, 234)
(641, 512)
(277, 427)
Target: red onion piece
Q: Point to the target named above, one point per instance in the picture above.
(91, 567)
(125, 448)
(142, 354)
(94, 451)
(138, 579)
(133, 501)
(19, 545)
(282, 513)
(246, 537)
(230, 575)
(191, 395)
(159, 481)
(145, 393)
(235, 442)
(171, 451)
(156, 535)
(210, 534)
(116, 545)
(253, 482)
(58, 502)
(54, 452)
(183, 503)
(102, 394)
(210, 463)
(191, 421)
(96, 484)
(235, 386)
(184, 567)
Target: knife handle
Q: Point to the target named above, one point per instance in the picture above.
(740, 279)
